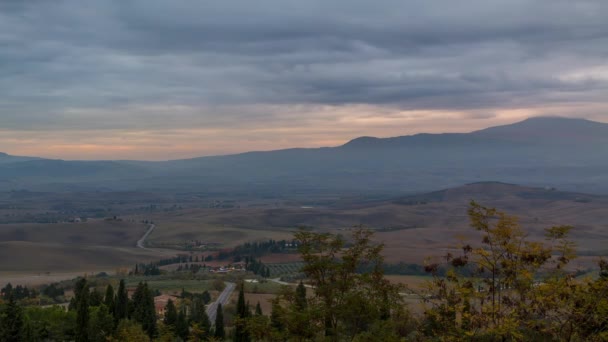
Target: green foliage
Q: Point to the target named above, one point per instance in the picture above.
(144, 312)
(181, 325)
(242, 313)
(101, 324)
(199, 317)
(300, 298)
(345, 302)
(109, 298)
(121, 307)
(52, 323)
(170, 314)
(220, 333)
(258, 309)
(81, 299)
(130, 331)
(11, 321)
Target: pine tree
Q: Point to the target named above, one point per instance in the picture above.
(258, 309)
(11, 321)
(122, 302)
(219, 323)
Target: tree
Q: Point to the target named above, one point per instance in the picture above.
(81, 295)
(346, 302)
(258, 309)
(301, 296)
(219, 323)
(11, 321)
(95, 298)
(170, 314)
(242, 312)
(144, 312)
(130, 331)
(181, 325)
(121, 306)
(101, 324)
(276, 316)
(50, 324)
(508, 288)
(109, 298)
(197, 333)
(199, 316)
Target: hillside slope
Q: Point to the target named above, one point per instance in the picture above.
(558, 152)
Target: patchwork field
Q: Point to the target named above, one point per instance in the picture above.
(96, 245)
(412, 227)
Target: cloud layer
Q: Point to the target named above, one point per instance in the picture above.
(162, 79)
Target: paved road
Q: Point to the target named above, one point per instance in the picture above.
(223, 298)
(142, 242)
(278, 281)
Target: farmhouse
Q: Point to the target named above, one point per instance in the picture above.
(160, 303)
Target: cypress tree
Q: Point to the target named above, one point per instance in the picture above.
(170, 314)
(122, 302)
(242, 312)
(95, 298)
(11, 322)
(109, 298)
(199, 316)
(81, 292)
(275, 316)
(219, 323)
(181, 326)
(144, 311)
(258, 309)
(301, 296)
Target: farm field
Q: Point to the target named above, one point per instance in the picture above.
(412, 228)
(226, 227)
(262, 298)
(93, 246)
(279, 269)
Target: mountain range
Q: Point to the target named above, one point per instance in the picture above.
(571, 154)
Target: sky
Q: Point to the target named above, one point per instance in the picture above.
(158, 80)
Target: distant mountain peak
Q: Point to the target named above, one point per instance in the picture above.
(539, 129)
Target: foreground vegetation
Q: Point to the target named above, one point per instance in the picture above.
(508, 287)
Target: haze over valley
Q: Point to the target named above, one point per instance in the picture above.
(313, 170)
(570, 154)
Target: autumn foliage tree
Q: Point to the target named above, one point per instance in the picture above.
(509, 287)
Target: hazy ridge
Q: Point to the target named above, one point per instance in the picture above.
(571, 154)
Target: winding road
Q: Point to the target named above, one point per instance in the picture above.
(223, 299)
(211, 308)
(141, 243)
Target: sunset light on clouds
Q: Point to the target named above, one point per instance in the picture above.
(159, 80)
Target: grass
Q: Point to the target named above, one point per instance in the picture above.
(267, 287)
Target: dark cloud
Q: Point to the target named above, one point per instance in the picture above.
(109, 64)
